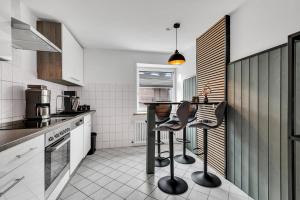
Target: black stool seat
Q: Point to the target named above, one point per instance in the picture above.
(172, 184)
(205, 178)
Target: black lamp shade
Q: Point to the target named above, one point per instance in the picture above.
(176, 59)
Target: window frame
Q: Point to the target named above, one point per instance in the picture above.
(154, 68)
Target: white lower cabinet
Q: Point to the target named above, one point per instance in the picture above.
(76, 147)
(87, 134)
(26, 182)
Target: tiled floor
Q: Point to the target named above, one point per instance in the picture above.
(119, 173)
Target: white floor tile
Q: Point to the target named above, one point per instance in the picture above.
(137, 195)
(68, 191)
(196, 195)
(113, 186)
(124, 178)
(119, 173)
(90, 189)
(81, 184)
(134, 183)
(124, 191)
(101, 194)
(113, 197)
(104, 181)
(77, 196)
(147, 188)
(158, 194)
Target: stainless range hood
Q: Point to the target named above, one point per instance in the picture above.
(26, 37)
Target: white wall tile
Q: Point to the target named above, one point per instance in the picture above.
(6, 109)
(15, 76)
(6, 90)
(114, 109)
(6, 71)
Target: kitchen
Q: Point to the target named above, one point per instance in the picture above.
(82, 85)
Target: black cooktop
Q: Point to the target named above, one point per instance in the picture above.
(30, 124)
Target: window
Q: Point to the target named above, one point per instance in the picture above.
(154, 84)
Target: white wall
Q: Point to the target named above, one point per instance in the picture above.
(18, 73)
(262, 24)
(186, 70)
(110, 89)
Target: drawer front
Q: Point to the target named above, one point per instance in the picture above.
(25, 182)
(17, 155)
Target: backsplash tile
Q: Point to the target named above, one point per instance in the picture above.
(15, 76)
(114, 105)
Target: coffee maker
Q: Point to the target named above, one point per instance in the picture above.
(38, 99)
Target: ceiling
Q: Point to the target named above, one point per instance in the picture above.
(134, 24)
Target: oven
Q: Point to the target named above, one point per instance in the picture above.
(57, 157)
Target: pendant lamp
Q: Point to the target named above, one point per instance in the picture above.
(176, 58)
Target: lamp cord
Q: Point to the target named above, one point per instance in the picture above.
(176, 38)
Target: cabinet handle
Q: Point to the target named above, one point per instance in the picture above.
(21, 155)
(16, 181)
(74, 78)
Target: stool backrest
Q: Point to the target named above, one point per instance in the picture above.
(220, 112)
(183, 112)
(163, 111)
(193, 110)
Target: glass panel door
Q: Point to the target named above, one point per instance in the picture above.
(297, 170)
(297, 88)
(294, 117)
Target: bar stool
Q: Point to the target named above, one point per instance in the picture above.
(162, 115)
(185, 159)
(172, 184)
(205, 178)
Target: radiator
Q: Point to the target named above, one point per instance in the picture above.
(140, 134)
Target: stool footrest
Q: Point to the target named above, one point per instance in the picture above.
(182, 141)
(159, 143)
(195, 151)
(163, 152)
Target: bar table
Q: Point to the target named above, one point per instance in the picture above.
(150, 153)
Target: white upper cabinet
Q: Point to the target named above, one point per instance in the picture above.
(64, 68)
(72, 58)
(5, 30)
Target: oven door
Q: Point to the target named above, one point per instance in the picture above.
(57, 161)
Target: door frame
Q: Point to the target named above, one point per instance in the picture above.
(292, 138)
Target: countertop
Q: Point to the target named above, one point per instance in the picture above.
(10, 138)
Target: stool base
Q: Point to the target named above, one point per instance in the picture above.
(184, 159)
(206, 180)
(161, 162)
(175, 186)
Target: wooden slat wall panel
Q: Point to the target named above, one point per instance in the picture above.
(257, 124)
(212, 58)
